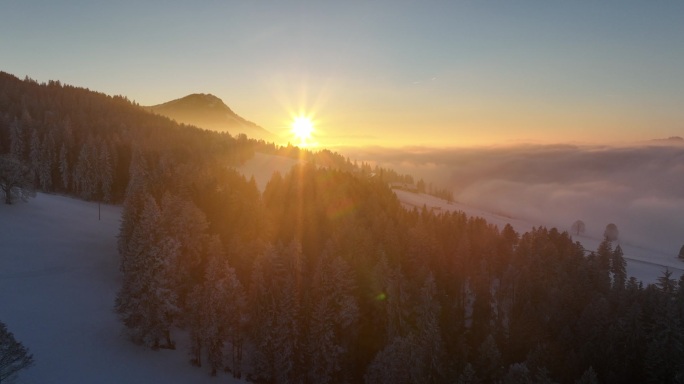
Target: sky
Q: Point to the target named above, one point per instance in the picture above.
(383, 73)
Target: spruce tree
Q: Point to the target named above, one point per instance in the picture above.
(64, 170)
(666, 283)
(216, 311)
(147, 302)
(588, 377)
(333, 318)
(618, 267)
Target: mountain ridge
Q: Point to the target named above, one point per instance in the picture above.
(208, 111)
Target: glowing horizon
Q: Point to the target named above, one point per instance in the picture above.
(380, 73)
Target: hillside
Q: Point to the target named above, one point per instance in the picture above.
(209, 112)
(81, 143)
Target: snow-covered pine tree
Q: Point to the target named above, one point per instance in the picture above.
(105, 172)
(392, 365)
(34, 153)
(489, 361)
(183, 221)
(419, 356)
(47, 161)
(275, 293)
(333, 318)
(215, 310)
(16, 179)
(393, 296)
(430, 360)
(130, 217)
(262, 310)
(85, 174)
(17, 140)
(80, 173)
(618, 267)
(136, 195)
(64, 169)
(287, 338)
(588, 377)
(147, 302)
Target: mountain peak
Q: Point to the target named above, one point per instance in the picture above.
(206, 97)
(195, 101)
(210, 112)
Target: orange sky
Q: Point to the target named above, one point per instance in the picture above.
(377, 73)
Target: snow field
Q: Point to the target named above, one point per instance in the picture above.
(58, 279)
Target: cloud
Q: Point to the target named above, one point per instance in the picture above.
(639, 188)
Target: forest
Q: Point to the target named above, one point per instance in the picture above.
(324, 277)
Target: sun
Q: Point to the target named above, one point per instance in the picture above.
(302, 128)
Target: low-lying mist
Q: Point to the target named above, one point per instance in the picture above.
(640, 188)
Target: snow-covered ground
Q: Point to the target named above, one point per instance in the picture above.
(644, 261)
(58, 280)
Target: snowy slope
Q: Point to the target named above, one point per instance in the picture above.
(644, 261)
(58, 279)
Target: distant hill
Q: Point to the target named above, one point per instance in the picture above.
(671, 139)
(209, 112)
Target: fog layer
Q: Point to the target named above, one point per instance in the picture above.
(639, 188)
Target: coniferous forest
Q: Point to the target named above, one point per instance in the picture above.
(323, 277)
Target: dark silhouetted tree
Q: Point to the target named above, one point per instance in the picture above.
(16, 180)
(13, 355)
(666, 283)
(578, 227)
(489, 360)
(611, 233)
(588, 377)
(618, 267)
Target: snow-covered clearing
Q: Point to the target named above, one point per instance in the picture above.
(644, 261)
(58, 280)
